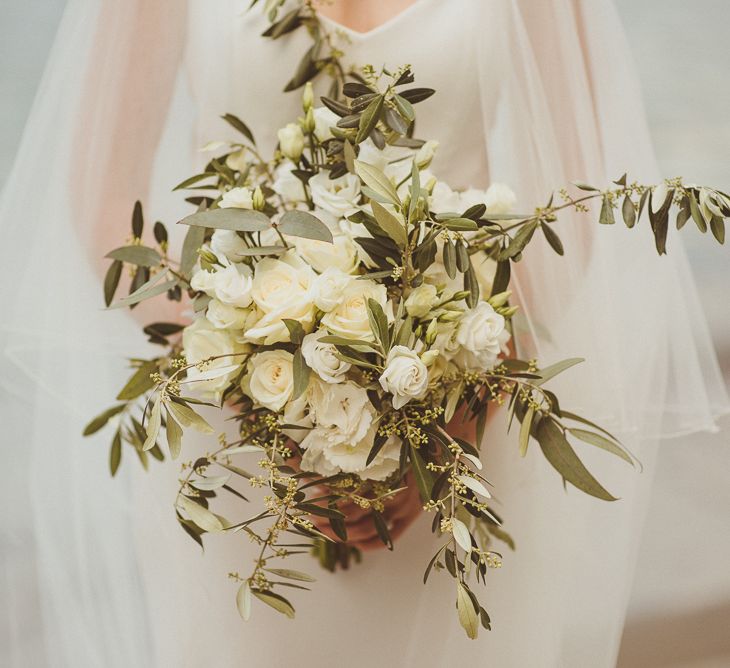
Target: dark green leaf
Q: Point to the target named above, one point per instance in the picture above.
(629, 212)
(115, 454)
(606, 217)
(139, 383)
(239, 125)
(369, 119)
(137, 220)
(553, 239)
(100, 420)
(601, 442)
(301, 374)
(416, 95)
(111, 281)
(423, 476)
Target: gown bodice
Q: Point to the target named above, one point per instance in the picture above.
(232, 69)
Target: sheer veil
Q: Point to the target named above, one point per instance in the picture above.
(565, 107)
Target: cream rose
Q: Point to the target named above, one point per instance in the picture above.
(202, 340)
(224, 316)
(341, 254)
(271, 378)
(337, 197)
(405, 376)
(329, 287)
(322, 358)
(291, 141)
(350, 317)
(482, 335)
(237, 198)
(421, 300)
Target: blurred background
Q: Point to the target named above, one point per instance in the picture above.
(680, 610)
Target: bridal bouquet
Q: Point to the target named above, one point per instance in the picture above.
(352, 313)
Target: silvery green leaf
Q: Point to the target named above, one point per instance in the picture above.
(377, 181)
(115, 454)
(369, 119)
(460, 224)
(187, 417)
(474, 460)
(216, 372)
(563, 459)
(153, 425)
(210, 483)
(279, 603)
(142, 256)
(475, 486)
(244, 449)
(174, 436)
(239, 125)
(601, 442)
(391, 225)
(525, 430)
(584, 186)
(304, 224)
(606, 217)
(238, 220)
(423, 476)
(628, 211)
(461, 534)
(468, 617)
(243, 601)
(202, 517)
(261, 251)
(101, 420)
(551, 371)
(139, 383)
(291, 574)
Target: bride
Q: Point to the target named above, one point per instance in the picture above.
(532, 94)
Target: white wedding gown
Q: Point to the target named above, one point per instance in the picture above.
(531, 94)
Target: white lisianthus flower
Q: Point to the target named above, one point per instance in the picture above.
(203, 281)
(287, 184)
(324, 121)
(226, 243)
(350, 317)
(341, 254)
(225, 316)
(421, 300)
(237, 198)
(281, 289)
(344, 430)
(405, 376)
(202, 340)
(389, 161)
(233, 285)
(482, 336)
(271, 378)
(291, 141)
(335, 196)
(322, 359)
(500, 199)
(328, 288)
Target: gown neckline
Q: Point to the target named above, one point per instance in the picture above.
(392, 22)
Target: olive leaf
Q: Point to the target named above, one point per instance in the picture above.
(140, 382)
(394, 228)
(102, 419)
(237, 220)
(377, 181)
(142, 256)
(303, 224)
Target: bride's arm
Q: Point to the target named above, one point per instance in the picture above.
(129, 82)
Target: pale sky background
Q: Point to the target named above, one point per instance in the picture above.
(683, 57)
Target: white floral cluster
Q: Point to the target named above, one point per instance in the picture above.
(322, 286)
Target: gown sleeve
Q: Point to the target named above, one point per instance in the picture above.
(86, 155)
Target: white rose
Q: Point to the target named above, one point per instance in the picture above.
(282, 290)
(482, 335)
(500, 199)
(271, 379)
(322, 358)
(328, 288)
(202, 340)
(350, 317)
(444, 200)
(226, 243)
(203, 281)
(324, 120)
(389, 161)
(342, 253)
(421, 300)
(225, 316)
(335, 196)
(405, 376)
(237, 198)
(233, 285)
(291, 141)
(287, 184)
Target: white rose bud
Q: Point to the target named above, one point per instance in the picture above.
(272, 378)
(350, 317)
(291, 141)
(237, 198)
(308, 96)
(322, 358)
(324, 121)
(500, 199)
(405, 376)
(421, 300)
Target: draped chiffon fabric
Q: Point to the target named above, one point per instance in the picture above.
(527, 94)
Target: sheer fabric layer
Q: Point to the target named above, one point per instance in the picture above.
(117, 582)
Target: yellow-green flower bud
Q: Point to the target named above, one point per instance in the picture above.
(309, 123)
(501, 299)
(431, 332)
(259, 201)
(308, 97)
(429, 357)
